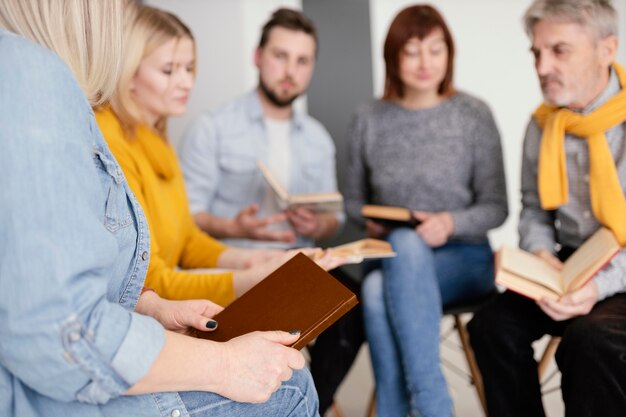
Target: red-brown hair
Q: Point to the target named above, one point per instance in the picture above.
(414, 22)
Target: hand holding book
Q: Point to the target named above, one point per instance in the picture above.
(535, 278)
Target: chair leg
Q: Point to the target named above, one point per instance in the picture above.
(371, 408)
(548, 354)
(471, 361)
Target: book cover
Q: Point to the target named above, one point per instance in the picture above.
(389, 216)
(299, 295)
(321, 202)
(531, 276)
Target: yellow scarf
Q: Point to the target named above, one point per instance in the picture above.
(607, 198)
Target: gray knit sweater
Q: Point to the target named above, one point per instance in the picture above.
(445, 158)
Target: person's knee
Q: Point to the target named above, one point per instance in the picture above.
(303, 394)
(372, 292)
(585, 336)
(406, 239)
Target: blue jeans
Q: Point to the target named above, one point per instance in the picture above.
(294, 398)
(402, 314)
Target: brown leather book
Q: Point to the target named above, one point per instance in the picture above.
(297, 296)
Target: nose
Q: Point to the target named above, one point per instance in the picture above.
(186, 80)
(543, 64)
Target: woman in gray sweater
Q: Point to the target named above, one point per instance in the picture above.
(436, 151)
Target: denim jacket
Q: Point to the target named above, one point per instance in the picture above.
(219, 153)
(74, 249)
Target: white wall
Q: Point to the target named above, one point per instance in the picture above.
(493, 62)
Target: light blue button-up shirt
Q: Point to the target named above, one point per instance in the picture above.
(73, 253)
(219, 154)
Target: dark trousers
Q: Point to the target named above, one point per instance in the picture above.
(591, 357)
(336, 348)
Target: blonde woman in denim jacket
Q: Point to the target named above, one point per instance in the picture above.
(76, 336)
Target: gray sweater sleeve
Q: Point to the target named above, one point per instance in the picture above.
(490, 207)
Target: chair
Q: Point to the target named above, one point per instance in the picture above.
(474, 378)
(456, 311)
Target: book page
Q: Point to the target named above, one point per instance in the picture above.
(278, 189)
(523, 286)
(531, 267)
(589, 258)
(362, 249)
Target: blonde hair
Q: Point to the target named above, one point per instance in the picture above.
(150, 29)
(86, 34)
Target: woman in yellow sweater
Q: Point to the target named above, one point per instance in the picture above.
(157, 76)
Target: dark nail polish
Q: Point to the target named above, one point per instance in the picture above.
(211, 324)
(295, 332)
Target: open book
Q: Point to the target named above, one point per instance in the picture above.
(321, 202)
(529, 275)
(389, 216)
(299, 295)
(357, 251)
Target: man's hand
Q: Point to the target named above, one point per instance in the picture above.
(376, 230)
(576, 303)
(179, 316)
(256, 364)
(308, 223)
(434, 228)
(304, 221)
(246, 224)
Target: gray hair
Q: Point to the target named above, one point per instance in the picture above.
(597, 15)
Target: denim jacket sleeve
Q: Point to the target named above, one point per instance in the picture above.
(69, 268)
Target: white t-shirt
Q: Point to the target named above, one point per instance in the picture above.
(278, 163)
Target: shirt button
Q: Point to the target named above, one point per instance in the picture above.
(587, 214)
(74, 336)
(176, 413)
(144, 256)
(586, 178)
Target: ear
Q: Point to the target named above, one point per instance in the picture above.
(257, 57)
(607, 48)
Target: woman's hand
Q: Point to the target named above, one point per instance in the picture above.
(434, 228)
(375, 230)
(256, 364)
(179, 316)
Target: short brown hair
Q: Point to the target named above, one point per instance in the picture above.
(288, 19)
(414, 22)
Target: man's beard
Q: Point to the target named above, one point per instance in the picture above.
(273, 98)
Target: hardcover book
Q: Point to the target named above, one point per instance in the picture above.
(320, 202)
(389, 216)
(533, 277)
(299, 295)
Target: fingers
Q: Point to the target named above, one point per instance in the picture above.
(375, 230)
(284, 338)
(287, 236)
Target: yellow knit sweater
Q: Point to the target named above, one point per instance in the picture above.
(152, 171)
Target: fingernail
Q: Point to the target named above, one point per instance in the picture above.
(211, 324)
(295, 332)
